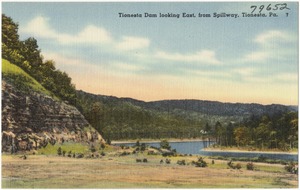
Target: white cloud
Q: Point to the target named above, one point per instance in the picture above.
(272, 37)
(247, 71)
(272, 44)
(62, 59)
(257, 56)
(204, 56)
(132, 43)
(287, 77)
(90, 34)
(39, 27)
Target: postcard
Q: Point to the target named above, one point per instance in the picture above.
(150, 94)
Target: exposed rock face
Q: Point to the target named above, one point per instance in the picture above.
(32, 120)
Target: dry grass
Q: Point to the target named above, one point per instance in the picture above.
(123, 172)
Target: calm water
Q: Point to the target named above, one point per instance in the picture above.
(196, 147)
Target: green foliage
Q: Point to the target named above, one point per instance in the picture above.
(143, 147)
(234, 166)
(250, 166)
(93, 149)
(137, 144)
(164, 144)
(200, 163)
(59, 151)
(74, 147)
(27, 55)
(10, 40)
(122, 120)
(242, 135)
(20, 79)
(292, 168)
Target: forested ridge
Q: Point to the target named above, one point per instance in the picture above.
(27, 55)
(229, 124)
(253, 125)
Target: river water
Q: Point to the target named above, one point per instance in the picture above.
(196, 148)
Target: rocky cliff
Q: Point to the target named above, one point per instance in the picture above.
(31, 120)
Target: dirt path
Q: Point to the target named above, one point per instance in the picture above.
(124, 172)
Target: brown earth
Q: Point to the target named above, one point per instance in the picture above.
(39, 171)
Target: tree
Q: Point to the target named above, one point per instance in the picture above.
(32, 54)
(59, 151)
(164, 144)
(10, 41)
(218, 132)
(207, 128)
(242, 136)
(93, 149)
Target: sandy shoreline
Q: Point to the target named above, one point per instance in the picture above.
(245, 151)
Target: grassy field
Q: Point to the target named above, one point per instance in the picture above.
(21, 79)
(40, 171)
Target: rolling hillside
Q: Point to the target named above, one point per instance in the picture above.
(119, 118)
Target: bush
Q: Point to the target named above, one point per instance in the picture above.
(164, 144)
(70, 154)
(93, 149)
(200, 163)
(168, 161)
(238, 166)
(231, 165)
(181, 162)
(292, 168)
(250, 166)
(261, 158)
(143, 147)
(59, 152)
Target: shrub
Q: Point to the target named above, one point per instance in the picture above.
(164, 144)
(168, 161)
(59, 153)
(93, 149)
(138, 160)
(137, 144)
(200, 163)
(231, 165)
(261, 158)
(181, 162)
(292, 168)
(238, 166)
(70, 154)
(250, 166)
(143, 147)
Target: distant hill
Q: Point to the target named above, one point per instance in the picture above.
(200, 106)
(168, 118)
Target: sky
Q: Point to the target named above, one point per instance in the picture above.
(244, 59)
